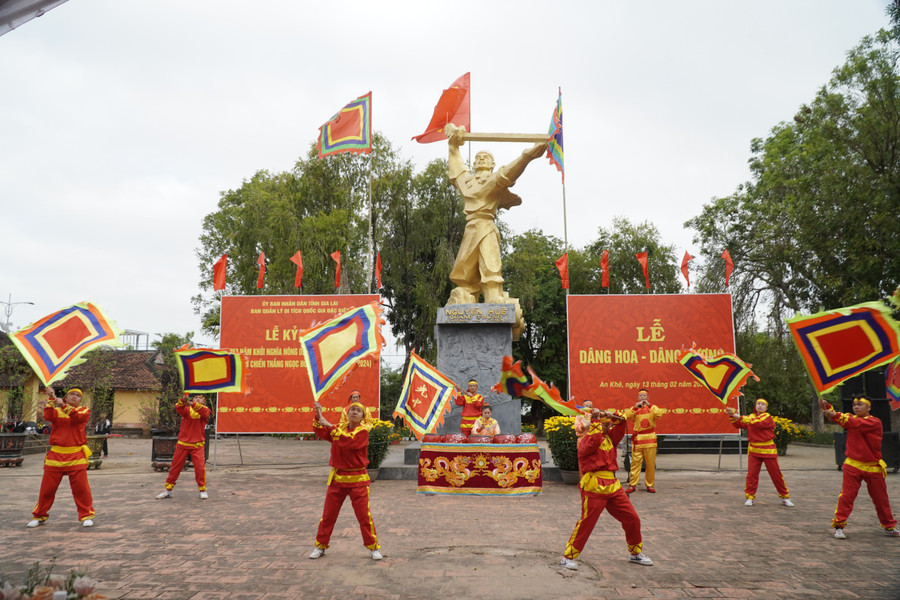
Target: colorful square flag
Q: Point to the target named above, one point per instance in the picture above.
(425, 396)
(335, 347)
(555, 147)
(206, 370)
(515, 382)
(892, 383)
(723, 374)
(350, 130)
(838, 344)
(55, 343)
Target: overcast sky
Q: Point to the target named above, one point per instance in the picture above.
(123, 121)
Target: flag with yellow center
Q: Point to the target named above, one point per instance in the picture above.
(723, 373)
(334, 348)
(425, 396)
(205, 370)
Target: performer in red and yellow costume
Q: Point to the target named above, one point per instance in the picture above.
(863, 463)
(760, 428)
(471, 401)
(191, 440)
(643, 441)
(349, 459)
(583, 420)
(68, 455)
(601, 490)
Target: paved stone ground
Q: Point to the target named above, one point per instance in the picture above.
(252, 537)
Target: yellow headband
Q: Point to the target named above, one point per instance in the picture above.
(764, 401)
(74, 389)
(863, 400)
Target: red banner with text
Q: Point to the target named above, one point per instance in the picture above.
(621, 343)
(266, 329)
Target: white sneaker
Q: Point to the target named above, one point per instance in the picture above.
(376, 555)
(839, 534)
(87, 523)
(640, 559)
(749, 502)
(204, 496)
(34, 523)
(165, 494)
(786, 502)
(892, 533)
(316, 553)
(568, 563)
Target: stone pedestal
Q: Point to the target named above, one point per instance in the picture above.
(472, 340)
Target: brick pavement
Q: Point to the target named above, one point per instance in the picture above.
(251, 538)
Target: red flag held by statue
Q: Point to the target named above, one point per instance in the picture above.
(453, 107)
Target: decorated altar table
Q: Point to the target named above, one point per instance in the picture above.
(480, 469)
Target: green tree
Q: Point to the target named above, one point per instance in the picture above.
(624, 240)
(14, 370)
(170, 384)
(422, 226)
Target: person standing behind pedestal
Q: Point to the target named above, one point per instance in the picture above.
(863, 463)
(643, 441)
(349, 458)
(68, 455)
(471, 402)
(191, 440)
(601, 490)
(761, 451)
(485, 424)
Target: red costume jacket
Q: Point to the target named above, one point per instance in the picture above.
(597, 459)
(193, 423)
(349, 454)
(760, 433)
(67, 437)
(471, 405)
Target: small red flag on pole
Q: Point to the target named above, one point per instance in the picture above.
(261, 278)
(297, 259)
(729, 266)
(642, 258)
(219, 269)
(337, 274)
(604, 267)
(378, 271)
(684, 267)
(562, 263)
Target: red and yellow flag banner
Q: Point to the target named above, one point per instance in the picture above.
(425, 397)
(515, 382)
(206, 370)
(723, 373)
(350, 130)
(838, 344)
(334, 348)
(55, 343)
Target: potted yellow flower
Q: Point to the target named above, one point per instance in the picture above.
(379, 443)
(786, 431)
(563, 444)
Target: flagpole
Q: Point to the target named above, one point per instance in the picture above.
(371, 232)
(565, 229)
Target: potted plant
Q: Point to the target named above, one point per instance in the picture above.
(563, 444)
(786, 431)
(379, 443)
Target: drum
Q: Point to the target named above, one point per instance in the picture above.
(526, 438)
(454, 438)
(504, 439)
(431, 438)
(480, 439)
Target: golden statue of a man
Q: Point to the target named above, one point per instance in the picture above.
(477, 269)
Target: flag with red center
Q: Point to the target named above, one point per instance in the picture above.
(838, 344)
(55, 343)
(425, 396)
